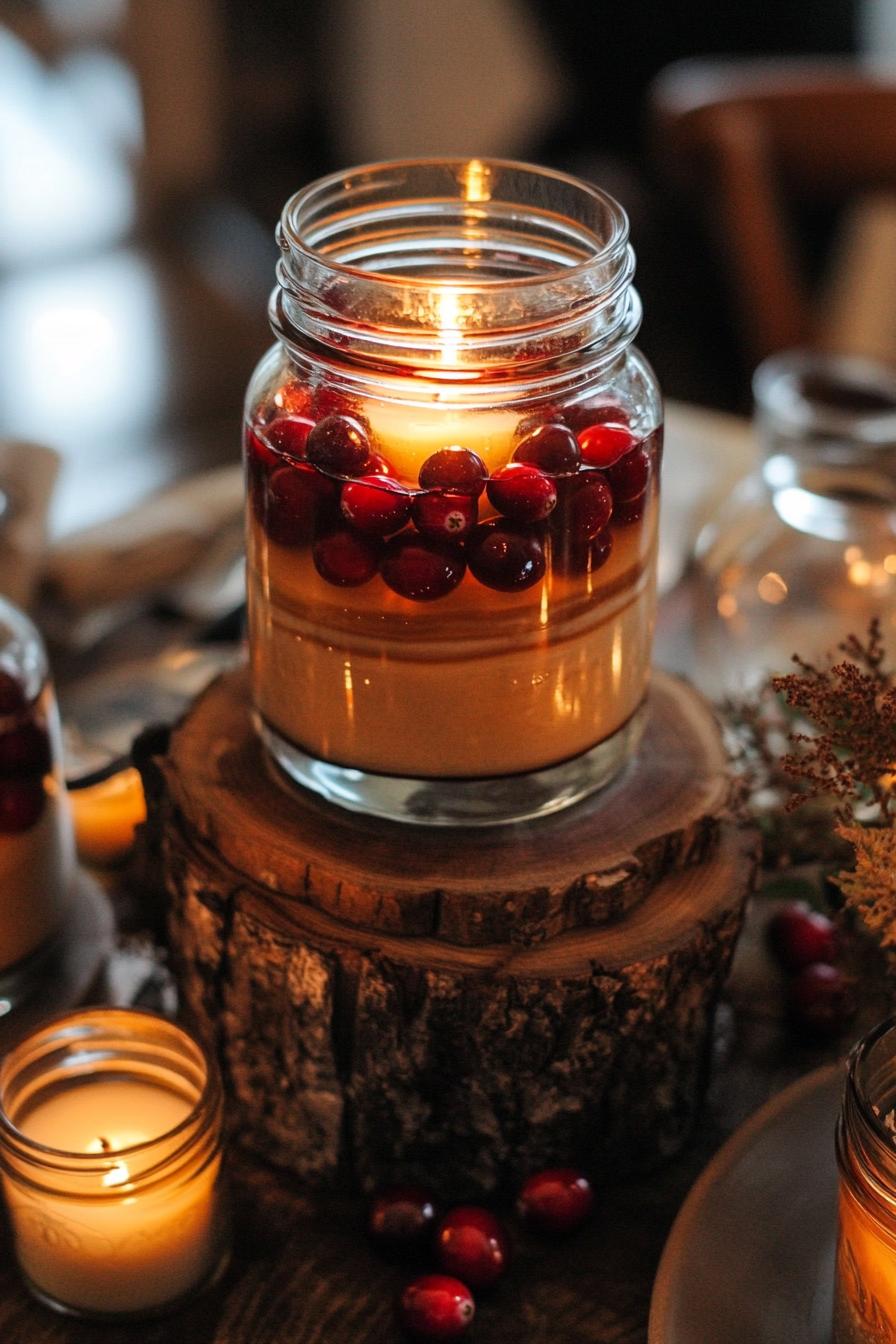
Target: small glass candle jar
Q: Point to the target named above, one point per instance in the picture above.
(36, 844)
(865, 1292)
(452, 463)
(110, 1152)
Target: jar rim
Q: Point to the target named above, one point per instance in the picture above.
(318, 190)
(778, 393)
(857, 1058)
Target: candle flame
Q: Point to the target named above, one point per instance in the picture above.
(449, 326)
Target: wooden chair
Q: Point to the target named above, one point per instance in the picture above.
(749, 145)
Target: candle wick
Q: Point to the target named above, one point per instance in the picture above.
(105, 1145)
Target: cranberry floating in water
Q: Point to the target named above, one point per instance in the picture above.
(290, 504)
(569, 556)
(586, 507)
(557, 1200)
(504, 557)
(629, 510)
(552, 447)
(445, 517)
(289, 434)
(628, 477)
(523, 493)
(799, 936)
(436, 1306)
(583, 415)
(421, 569)
(472, 1244)
(457, 469)
(345, 558)
(376, 504)
(604, 445)
(21, 803)
(259, 454)
(403, 1215)
(339, 443)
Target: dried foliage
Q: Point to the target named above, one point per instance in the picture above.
(870, 888)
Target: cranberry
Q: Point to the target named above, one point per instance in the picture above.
(436, 1307)
(821, 1000)
(603, 445)
(376, 505)
(12, 694)
(378, 466)
(583, 557)
(344, 558)
(420, 569)
(292, 500)
(601, 412)
(557, 1200)
(327, 401)
(523, 493)
(339, 443)
(21, 803)
(403, 1215)
(506, 558)
(586, 507)
(552, 447)
(471, 1243)
(445, 517)
(25, 751)
(259, 454)
(799, 936)
(294, 398)
(289, 434)
(628, 477)
(629, 510)
(457, 469)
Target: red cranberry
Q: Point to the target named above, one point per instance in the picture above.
(378, 466)
(445, 517)
(472, 1244)
(628, 477)
(294, 398)
(291, 502)
(289, 434)
(403, 1215)
(436, 1307)
(552, 447)
(523, 493)
(259, 454)
(821, 1000)
(376, 505)
(339, 443)
(627, 511)
(586, 507)
(799, 936)
(603, 445)
(557, 1200)
(12, 694)
(581, 557)
(327, 400)
(25, 751)
(21, 803)
(344, 558)
(506, 558)
(600, 412)
(420, 569)
(456, 469)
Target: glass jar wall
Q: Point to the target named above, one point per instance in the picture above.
(452, 463)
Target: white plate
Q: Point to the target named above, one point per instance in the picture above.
(750, 1258)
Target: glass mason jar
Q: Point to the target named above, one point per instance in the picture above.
(865, 1289)
(452, 459)
(804, 551)
(110, 1155)
(36, 843)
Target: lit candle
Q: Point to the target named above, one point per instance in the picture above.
(106, 815)
(110, 1139)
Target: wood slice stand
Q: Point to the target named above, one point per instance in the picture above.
(451, 1006)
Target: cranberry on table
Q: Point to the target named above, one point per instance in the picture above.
(523, 493)
(472, 1244)
(21, 803)
(799, 936)
(339, 443)
(629, 476)
(586, 507)
(436, 1306)
(376, 504)
(291, 501)
(556, 1200)
(345, 558)
(445, 516)
(420, 569)
(553, 447)
(821, 1001)
(603, 445)
(25, 750)
(455, 468)
(506, 558)
(402, 1215)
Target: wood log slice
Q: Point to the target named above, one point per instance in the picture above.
(585, 866)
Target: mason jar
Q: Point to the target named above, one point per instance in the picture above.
(36, 844)
(452, 461)
(110, 1156)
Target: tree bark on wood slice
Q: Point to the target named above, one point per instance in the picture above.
(582, 867)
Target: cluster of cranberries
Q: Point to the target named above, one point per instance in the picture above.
(25, 758)
(806, 945)
(469, 1243)
(320, 482)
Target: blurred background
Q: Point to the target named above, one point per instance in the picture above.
(146, 147)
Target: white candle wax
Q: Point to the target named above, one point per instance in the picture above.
(409, 433)
(107, 1243)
